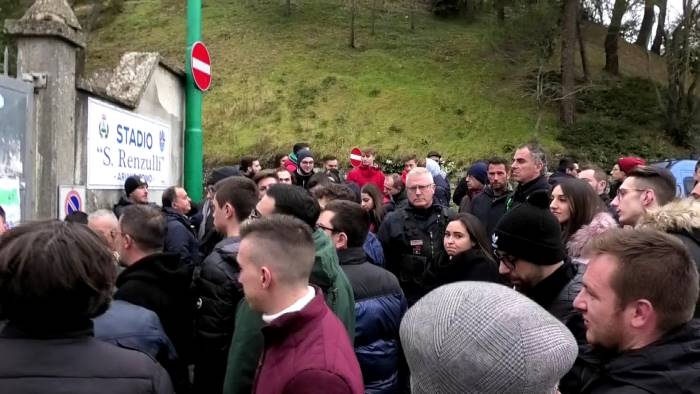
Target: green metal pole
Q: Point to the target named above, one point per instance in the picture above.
(193, 111)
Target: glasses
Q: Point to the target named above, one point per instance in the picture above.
(422, 188)
(322, 227)
(505, 258)
(621, 193)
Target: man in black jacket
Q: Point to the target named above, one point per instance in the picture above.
(216, 285)
(155, 280)
(135, 192)
(179, 237)
(207, 235)
(490, 205)
(639, 293)
(411, 237)
(527, 242)
(528, 170)
(379, 301)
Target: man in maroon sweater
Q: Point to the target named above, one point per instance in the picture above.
(307, 349)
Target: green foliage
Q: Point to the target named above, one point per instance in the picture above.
(631, 99)
(279, 80)
(532, 30)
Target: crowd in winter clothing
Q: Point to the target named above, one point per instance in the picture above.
(302, 278)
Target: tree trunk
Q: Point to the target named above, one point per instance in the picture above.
(288, 12)
(647, 25)
(660, 27)
(413, 15)
(612, 63)
(373, 16)
(353, 11)
(568, 64)
(582, 50)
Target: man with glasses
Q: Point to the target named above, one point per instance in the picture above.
(527, 243)
(412, 236)
(645, 189)
(305, 170)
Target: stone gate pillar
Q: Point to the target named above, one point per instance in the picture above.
(48, 37)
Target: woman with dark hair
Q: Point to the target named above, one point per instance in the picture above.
(372, 202)
(54, 278)
(467, 253)
(581, 214)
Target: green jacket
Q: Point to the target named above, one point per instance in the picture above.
(247, 343)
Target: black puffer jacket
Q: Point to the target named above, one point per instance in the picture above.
(469, 265)
(669, 365)
(75, 362)
(217, 292)
(522, 192)
(180, 237)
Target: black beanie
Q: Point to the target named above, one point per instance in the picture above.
(132, 183)
(531, 232)
(221, 173)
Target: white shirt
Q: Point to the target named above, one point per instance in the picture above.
(295, 307)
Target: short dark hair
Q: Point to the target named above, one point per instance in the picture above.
(335, 191)
(169, 196)
(566, 163)
(2, 213)
(240, 192)
(264, 174)
(350, 219)
(284, 242)
(54, 274)
(145, 224)
(398, 182)
(328, 158)
(660, 180)
(496, 161)
(295, 201)
(246, 161)
(369, 151)
(697, 165)
(671, 287)
(79, 217)
(409, 158)
(318, 179)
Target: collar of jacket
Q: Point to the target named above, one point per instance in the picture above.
(288, 323)
(434, 208)
(536, 184)
(352, 256)
(547, 290)
(488, 190)
(82, 327)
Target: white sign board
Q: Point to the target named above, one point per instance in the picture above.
(121, 143)
(71, 198)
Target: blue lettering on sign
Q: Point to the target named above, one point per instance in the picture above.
(130, 136)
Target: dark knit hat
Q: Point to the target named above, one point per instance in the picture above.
(132, 183)
(479, 170)
(303, 154)
(627, 164)
(221, 173)
(531, 232)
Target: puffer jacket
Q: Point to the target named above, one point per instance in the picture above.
(217, 292)
(601, 223)
(681, 219)
(180, 238)
(669, 365)
(247, 341)
(379, 307)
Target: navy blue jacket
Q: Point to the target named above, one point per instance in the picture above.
(374, 250)
(180, 237)
(379, 307)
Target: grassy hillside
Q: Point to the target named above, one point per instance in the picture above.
(279, 80)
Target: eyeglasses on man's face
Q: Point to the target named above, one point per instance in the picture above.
(420, 188)
(505, 258)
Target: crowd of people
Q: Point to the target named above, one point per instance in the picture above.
(304, 279)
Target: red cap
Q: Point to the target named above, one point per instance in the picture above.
(627, 164)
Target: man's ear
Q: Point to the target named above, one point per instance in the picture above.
(642, 314)
(342, 242)
(265, 277)
(229, 210)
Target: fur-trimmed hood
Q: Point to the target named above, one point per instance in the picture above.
(681, 216)
(601, 223)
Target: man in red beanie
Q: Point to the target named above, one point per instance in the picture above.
(627, 164)
(620, 170)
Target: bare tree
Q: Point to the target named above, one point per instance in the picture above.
(567, 105)
(660, 28)
(647, 24)
(582, 50)
(612, 62)
(353, 14)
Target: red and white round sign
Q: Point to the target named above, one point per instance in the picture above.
(355, 157)
(200, 64)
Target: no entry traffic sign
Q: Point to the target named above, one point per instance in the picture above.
(355, 157)
(200, 64)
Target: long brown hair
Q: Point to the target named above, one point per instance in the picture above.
(376, 215)
(476, 231)
(584, 204)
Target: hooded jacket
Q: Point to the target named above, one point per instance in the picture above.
(363, 175)
(217, 292)
(669, 365)
(180, 237)
(680, 218)
(488, 208)
(247, 342)
(442, 187)
(379, 307)
(601, 223)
